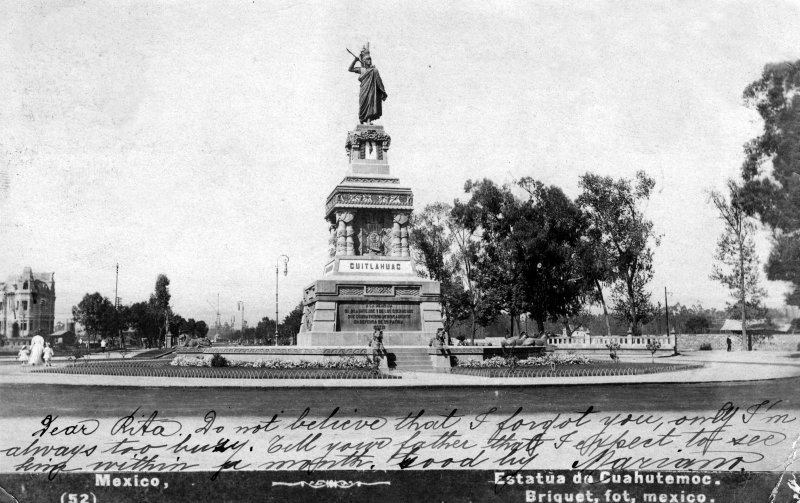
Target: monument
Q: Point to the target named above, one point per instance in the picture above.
(371, 279)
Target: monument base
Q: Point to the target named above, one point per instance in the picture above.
(343, 308)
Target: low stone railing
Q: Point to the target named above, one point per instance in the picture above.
(600, 341)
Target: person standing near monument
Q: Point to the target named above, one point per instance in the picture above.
(376, 343)
(372, 94)
(438, 340)
(377, 340)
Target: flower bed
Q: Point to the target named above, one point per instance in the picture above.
(220, 372)
(344, 363)
(117, 363)
(539, 361)
(587, 370)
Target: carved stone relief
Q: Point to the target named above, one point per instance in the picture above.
(351, 290)
(358, 200)
(406, 290)
(379, 290)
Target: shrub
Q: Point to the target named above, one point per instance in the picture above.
(77, 353)
(706, 346)
(653, 346)
(218, 361)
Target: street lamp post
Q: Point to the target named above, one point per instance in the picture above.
(285, 259)
(240, 306)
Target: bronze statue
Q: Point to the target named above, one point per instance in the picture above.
(202, 342)
(372, 94)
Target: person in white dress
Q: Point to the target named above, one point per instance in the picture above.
(37, 351)
(23, 355)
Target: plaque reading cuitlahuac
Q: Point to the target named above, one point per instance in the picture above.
(374, 266)
(393, 316)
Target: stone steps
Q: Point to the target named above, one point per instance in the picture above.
(414, 358)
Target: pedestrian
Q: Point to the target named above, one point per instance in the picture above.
(37, 350)
(438, 340)
(376, 343)
(103, 345)
(730, 343)
(23, 355)
(48, 355)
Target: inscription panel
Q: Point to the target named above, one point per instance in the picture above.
(375, 266)
(393, 316)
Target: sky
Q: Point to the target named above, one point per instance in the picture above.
(200, 139)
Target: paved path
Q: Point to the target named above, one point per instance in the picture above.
(718, 367)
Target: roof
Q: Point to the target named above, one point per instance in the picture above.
(783, 326)
(736, 325)
(27, 275)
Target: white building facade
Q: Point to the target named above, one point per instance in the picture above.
(27, 304)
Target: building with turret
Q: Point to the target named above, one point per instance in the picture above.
(27, 305)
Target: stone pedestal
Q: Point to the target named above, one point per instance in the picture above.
(371, 278)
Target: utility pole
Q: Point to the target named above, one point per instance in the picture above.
(240, 307)
(5, 314)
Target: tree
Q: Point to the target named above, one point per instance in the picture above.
(623, 237)
(290, 326)
(137, 317)
(596, 268)
(265, 329)
(433, 243)
(489, 215)
(159, 304)
(97, 315)
(737, 266)
(632, 302)
(189, 327)
(141, 318)
(774, 194)
(177, 324)
(697, 324)
(556, 281)
(524, 253)
(200, 328)
(466, 246)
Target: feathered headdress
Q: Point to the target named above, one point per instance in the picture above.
(364, 53)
